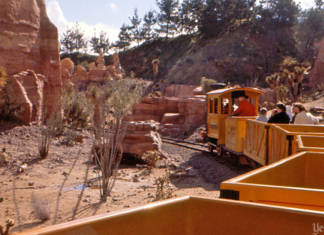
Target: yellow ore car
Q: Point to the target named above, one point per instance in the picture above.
(224, 131)
(194, 216)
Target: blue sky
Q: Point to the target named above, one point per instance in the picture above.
(102, 15)
(98, 15)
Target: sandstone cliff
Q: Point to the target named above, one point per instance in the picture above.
(29, 41)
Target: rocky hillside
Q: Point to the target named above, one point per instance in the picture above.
(236, 56)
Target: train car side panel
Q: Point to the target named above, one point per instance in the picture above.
(235, 133)
(257, 141)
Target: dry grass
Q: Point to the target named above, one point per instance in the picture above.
(40, 208)
(163, 188)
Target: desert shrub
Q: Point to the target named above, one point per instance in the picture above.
(40, 208)
(163, 188)
(206, 83)
(52, 128)
(6, 112)
(5, 231)
(76, 112)
(111, 103)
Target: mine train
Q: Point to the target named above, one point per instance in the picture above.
(246, 140)
(284, 197)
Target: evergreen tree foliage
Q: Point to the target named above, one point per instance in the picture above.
(190, 13)
(147, 31)
(100, 44)
(221, 15)
(124, 36)
(282, 13)
(73, 40)
(309, 31)
(168, 17)
(135, 30)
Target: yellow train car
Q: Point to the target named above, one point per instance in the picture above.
(283, 139)
(223, 129)
(310, 143)
(191, 216)
(297, 181)
(257, 142)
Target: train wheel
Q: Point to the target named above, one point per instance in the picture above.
(219, 151)
(210, 148)
(244, 161)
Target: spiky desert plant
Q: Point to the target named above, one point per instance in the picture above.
(111, 103)
(291, 75)
(206, 84)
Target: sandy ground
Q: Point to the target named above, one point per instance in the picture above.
(194, 173)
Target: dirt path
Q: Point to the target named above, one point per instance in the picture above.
(193, 173)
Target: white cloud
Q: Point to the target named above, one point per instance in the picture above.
(56, 15)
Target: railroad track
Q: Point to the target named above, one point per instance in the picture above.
(185, 144)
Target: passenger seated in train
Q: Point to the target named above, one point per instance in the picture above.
(301, 116)
(245, 108)
(279, 115)
(262, 115)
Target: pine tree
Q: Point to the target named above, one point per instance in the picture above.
(100, 44)
(124, 37)
(147, 31)
(190, 14)
(310, 29)
(73, 40)
(168, 17)
(135, 30)
(219, 16)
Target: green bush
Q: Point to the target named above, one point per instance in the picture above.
(206, 83)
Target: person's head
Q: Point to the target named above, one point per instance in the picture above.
(281, 107)
(242, 97)
(298, 107)
(263, 111)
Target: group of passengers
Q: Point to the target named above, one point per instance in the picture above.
(295, 114)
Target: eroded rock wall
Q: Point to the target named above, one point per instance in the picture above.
(29, 41)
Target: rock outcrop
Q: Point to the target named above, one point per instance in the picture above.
(18, 101)
(67, 67)
(179, 112)
(29, 41)
(317, 72)
(98, 72)
(142, 137)
(33, 84)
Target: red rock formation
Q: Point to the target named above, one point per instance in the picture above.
(317, 73)
(19, 101)
(182, 91)
(30, 41)
(33, 85)
(178, 115)
(80, 74)
(142, 137)
(67, 67)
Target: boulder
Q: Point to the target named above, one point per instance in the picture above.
(198, 91)
(141, 137)
(194, 110)
(81, 73)
(19, 101)
(34, 85)
(172, 130)
(30, 41)
(67, 68)
(172, 118)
